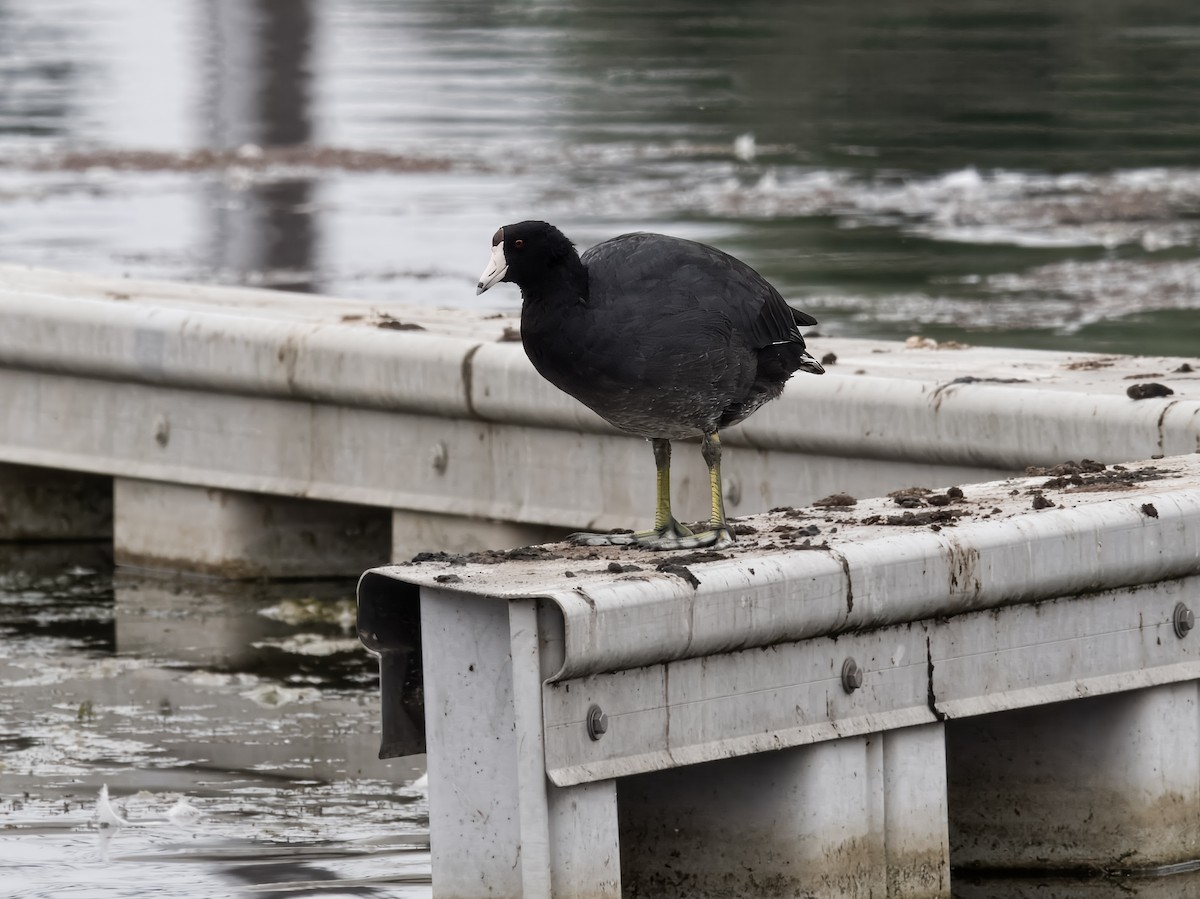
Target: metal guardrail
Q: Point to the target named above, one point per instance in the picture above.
(328, 381)
(585, 669)
(864, 578)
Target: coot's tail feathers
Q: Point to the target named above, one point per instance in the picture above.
(782, 357)
(777, 322)
(803, 361)
(777, 363)
(809, 364)
(802, 318)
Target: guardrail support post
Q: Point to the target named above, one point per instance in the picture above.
(497, 826)
(414, 532)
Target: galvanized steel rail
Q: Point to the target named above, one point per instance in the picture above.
(884, 621)
(153, 378)
(996, 552)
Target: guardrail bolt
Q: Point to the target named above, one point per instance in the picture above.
(440, 457)
(852, 676)
(1185, 620)
(597, 722)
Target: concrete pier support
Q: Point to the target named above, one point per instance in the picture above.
(232, 534)
(414, 532)
(860, 816)
(47, 504)
(1110, 782)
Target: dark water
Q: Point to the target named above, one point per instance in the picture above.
(996, 172)
(232, 726)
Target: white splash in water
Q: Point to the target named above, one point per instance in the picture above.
(744, 147)
(106, 813)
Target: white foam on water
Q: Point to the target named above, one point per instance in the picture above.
(311, 644)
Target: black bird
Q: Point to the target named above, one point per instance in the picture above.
(662, 337)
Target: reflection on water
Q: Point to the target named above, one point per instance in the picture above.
(234, 726)
(992, 172)
(257, 73)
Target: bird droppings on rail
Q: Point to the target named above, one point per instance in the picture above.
(794, 532)
(1092, 364)
(389, 323)
(1065, 468)
(618, 568)
(1087, 476)
(935, 518)
(826, 529)
(834, 500)
(489, 556)
(916, 497)
(1148, 391)
(448, 558)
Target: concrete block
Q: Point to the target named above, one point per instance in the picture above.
(414, 532)
(1109, 782)
(49, 504)
(862, 816)
(1182, 885)
(232, 534)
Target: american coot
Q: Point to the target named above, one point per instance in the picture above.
(662, 337)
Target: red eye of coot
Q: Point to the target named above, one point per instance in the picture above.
(518, 243)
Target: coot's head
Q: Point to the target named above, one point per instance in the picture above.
(525, 253)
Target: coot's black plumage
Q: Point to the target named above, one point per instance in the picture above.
(663, 337)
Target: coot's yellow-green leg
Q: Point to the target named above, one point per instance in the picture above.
(710, 447)
(664, 522)
(662, 481)
(673, 535)
(667, 532)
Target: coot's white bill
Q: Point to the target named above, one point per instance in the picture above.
(496, 270)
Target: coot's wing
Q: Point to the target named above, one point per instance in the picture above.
(602, 351)
(682, 277)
